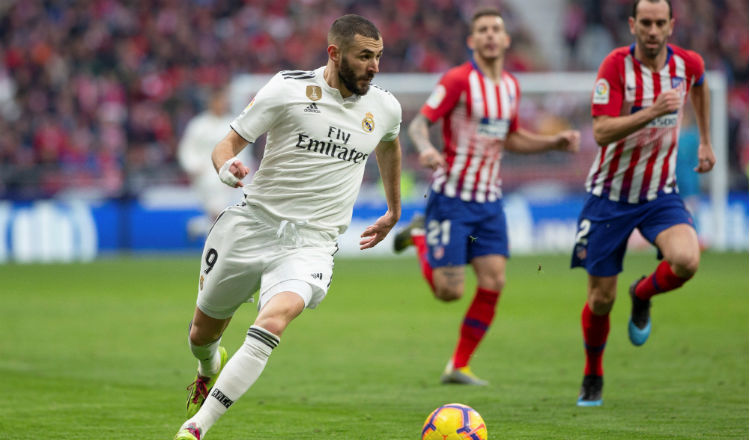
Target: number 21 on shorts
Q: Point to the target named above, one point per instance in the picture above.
(438, 233)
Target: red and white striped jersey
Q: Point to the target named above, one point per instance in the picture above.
(478, 114)
(641, 166)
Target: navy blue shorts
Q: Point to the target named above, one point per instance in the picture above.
(604, 227)
(457, 231)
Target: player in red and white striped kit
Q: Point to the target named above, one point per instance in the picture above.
(464, 219)
(637, 106)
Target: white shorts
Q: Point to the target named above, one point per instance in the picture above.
(248, 251)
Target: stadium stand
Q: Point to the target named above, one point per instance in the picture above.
(94, 94)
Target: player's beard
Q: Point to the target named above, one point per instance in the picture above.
(349, 78)
(650, 52)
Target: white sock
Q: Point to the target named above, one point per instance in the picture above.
(238, 375)
(209, 360)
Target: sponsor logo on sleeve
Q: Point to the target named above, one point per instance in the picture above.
(601, 92)
(247, 108)
(436, 97)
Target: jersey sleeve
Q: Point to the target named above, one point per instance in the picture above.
(695, 67)
(262, 112)
(607, 96)
(516, 106)
(394, 129)
(443, 97)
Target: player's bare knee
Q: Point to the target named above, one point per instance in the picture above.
(275, 324)
(601, 300)
(496, 284)
(449, 293)
(685, 268)
(201, 336)
(601, 305)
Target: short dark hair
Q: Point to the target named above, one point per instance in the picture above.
(344, 29)
(484, 12)
(635, 6)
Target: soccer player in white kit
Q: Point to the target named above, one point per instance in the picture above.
(201, 135)
(322, 125)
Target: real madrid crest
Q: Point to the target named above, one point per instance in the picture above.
(314, 93)
(368, 123)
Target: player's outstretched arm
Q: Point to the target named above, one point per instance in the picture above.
(524, 141)
(388, 155)
(419, 133)
(230, 168)
(700, 98)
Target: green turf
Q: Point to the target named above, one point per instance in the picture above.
(98, 351)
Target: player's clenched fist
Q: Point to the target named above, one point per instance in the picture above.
(667, 102)
(569, 140)
(232, 172)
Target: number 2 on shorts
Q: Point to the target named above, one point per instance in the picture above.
(583, 232)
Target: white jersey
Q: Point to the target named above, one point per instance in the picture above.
(201, 135)
(316, 148)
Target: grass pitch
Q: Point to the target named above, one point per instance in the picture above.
(99, 351)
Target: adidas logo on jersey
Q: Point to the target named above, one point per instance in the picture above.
(312, 108)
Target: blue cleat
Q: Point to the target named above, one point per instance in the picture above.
(591, 391)
(639, 325)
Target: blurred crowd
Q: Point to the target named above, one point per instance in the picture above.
(716, 29)
(95, 94)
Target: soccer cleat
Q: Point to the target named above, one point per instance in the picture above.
(591, 391)
(639, 325)
(198, 390)
(461, 376)
(190, 432)
(403, 238)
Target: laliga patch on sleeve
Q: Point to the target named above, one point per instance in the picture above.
(601, 92)
(436, 97)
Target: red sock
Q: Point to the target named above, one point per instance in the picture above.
(421, 245)
(662, 280)
(595, 331)
(477, 321)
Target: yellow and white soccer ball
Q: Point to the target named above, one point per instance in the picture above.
(454, 421)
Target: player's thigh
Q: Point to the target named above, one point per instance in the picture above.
(680, 247)
(278, 311)
(232, 263)
(604, 227)
(668, 225)
(488, 245)
(311, 266)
